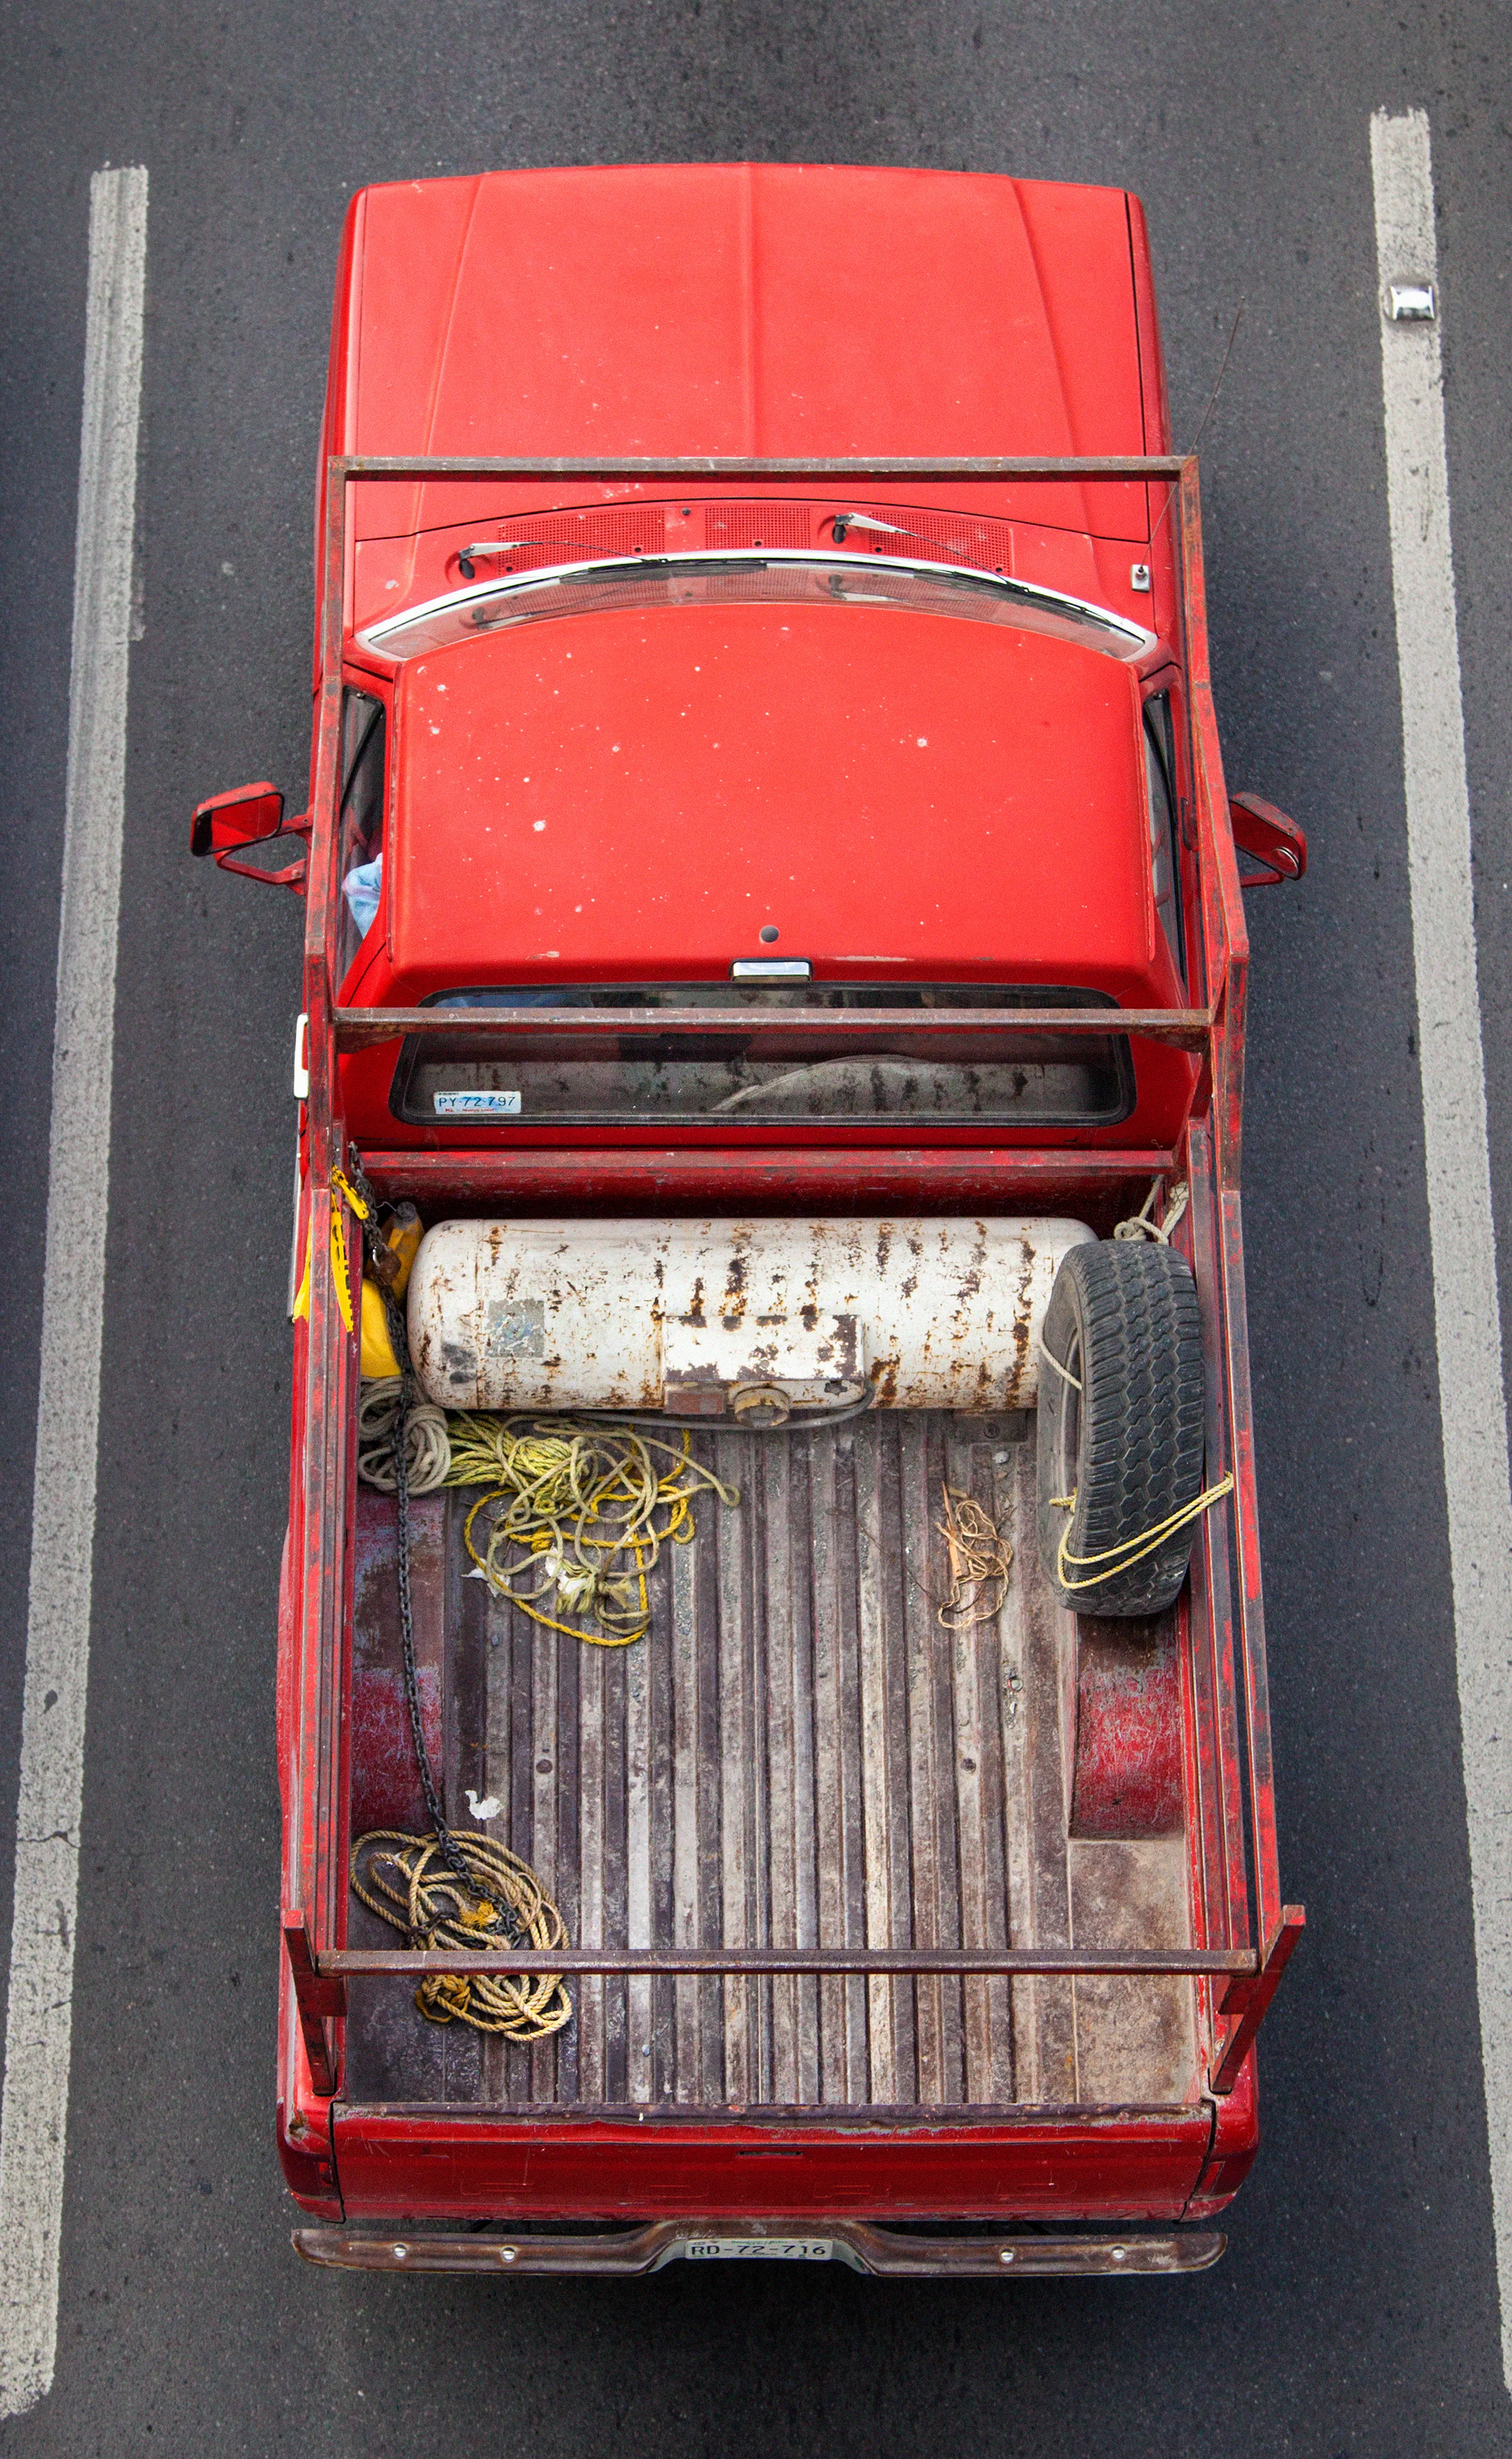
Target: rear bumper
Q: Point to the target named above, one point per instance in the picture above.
(886, 2254)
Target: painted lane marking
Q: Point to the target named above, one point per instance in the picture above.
(1467, 1306)
(33, 2115)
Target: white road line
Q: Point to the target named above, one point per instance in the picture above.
(1467, 1309)
(33, 2118)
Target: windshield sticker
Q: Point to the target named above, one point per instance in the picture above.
(477, 1106)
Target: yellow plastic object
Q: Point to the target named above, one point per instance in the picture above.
(341, 1269)
(377, 1348)
(404, 1235)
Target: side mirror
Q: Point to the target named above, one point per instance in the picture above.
(1269, 838)
(248, 815)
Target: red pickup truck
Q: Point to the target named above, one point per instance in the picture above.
(774, 987)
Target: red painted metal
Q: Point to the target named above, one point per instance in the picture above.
(1045, 2164)
(1230, 2154)
(1086, 2162)
(651, 309)
(316, 1997)
(983, 802)
(1084, 1182)
(1275, 841)
(1213, 1591)
(1128, 1779)
(243, 816)
(1248, 2000)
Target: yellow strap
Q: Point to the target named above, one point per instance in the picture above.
(341, 1184)
(339, 1272)
(340, 1269)
(301, 1308)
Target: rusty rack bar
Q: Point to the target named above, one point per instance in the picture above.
(903, 1962)
(356, 1028)
(562, 1175)
(741, 465)
(314, 1874)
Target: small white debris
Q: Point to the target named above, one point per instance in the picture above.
(488, 1808)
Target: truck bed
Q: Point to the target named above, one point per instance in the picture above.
(797, 1755)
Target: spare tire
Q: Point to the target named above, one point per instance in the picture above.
(1123, 1322)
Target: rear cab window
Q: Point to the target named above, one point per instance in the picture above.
(761, 1053)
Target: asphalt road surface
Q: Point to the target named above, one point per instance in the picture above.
(1356, 2309)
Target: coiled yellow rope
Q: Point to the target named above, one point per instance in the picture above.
(583, 1507)
(428, 1442)
(1132, 1549)
(504, 1904)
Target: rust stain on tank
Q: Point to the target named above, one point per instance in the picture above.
(1020, 1330)
(911, 1280)
(733, 1301)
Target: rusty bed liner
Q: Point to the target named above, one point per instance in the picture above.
(798, 1755)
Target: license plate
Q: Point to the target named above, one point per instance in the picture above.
(756, 2249)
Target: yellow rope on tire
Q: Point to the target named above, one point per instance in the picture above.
(436, 1911)
(1131, 1549)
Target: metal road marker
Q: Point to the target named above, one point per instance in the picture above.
(33, 2115)
(1467, 1306)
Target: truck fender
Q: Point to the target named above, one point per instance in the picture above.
(1235, 2141)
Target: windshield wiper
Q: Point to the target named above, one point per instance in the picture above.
(493, 546)
(841, 522)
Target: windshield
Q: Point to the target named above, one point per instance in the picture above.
(630, 583)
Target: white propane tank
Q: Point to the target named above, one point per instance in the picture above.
(755, 1317)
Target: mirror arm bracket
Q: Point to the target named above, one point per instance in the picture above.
(292, 877)
(1269, 838)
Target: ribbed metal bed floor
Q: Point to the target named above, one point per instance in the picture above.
(797, 1755)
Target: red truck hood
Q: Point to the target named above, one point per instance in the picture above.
(740, 308)
(641, 793)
